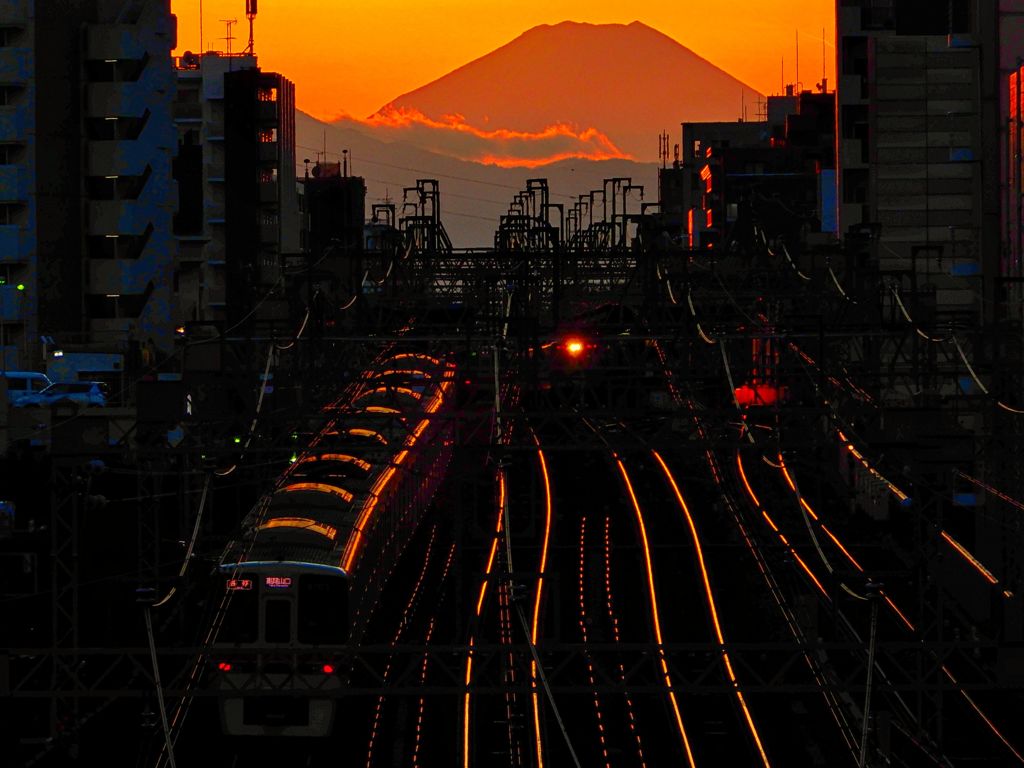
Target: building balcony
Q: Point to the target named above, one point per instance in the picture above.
(216, 296)
(15, 65)
(120, 276)
(13, 187)
(187, 112)
(118, 158)
(268, 191)
(10, 245)
(111, 328)
(215, 173)
(266, 112)
(14, 13)
(113, 41)
(12, 304)
(268, 152)
(118, 99)
(119, 217)
(268, 233)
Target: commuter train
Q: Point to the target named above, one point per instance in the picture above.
(306, 571)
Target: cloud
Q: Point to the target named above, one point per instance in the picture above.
(452, 135)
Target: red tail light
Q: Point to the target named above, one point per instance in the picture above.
(328, 669)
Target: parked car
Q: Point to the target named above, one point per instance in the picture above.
(22, 384)
(81, 392)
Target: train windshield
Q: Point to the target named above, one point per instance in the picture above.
(241, 620)
(277, 627)
(323, 612)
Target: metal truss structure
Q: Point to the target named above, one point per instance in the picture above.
(861, 346)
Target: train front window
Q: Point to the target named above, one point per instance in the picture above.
(277, 621)
(323, 612)
(241, 620)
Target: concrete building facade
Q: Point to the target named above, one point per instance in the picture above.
(237, 200)
(918, 145)
(85, 175)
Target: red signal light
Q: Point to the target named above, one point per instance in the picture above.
(328, 669)
(759, 394)
(224, 666)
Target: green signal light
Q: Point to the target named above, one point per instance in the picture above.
(20, 286)
(294, 458)
(238, 440)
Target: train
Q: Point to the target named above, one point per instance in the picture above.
(303, 577)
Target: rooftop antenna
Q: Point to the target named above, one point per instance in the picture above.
(202, 45)
(344, 161)
(824, 74)
(250, 14)
(797, 81)
(229, 37)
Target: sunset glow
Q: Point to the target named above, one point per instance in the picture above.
(354, 61)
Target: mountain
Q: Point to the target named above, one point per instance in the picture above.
(473, 195)
(606, 90)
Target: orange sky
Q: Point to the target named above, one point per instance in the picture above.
(355, 59)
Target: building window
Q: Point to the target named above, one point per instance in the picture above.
(9, 37)
(10, 95)
(267, 94)
(10, 213)
(10, 274)
(855, 185)
(10, 154)
(268, 135)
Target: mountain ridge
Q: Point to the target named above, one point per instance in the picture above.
(626, 81)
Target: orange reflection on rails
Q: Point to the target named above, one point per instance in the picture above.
(713, 610)
(479, 608)
(654, 614)
(536, 603)
(971, 559)
(799, 560)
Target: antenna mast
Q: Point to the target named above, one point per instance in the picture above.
(250, 14)
(797, 81)
(229, 37)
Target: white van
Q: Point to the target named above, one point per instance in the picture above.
(23, 383)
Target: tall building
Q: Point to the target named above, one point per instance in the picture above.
(237, 202)
(86, 200)
(919, 145)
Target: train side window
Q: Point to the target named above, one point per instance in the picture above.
(241, 622)
(323, 610)
(277, 621)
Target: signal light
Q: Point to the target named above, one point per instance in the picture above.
(224, 666)
(574, 347)
(328, 669)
